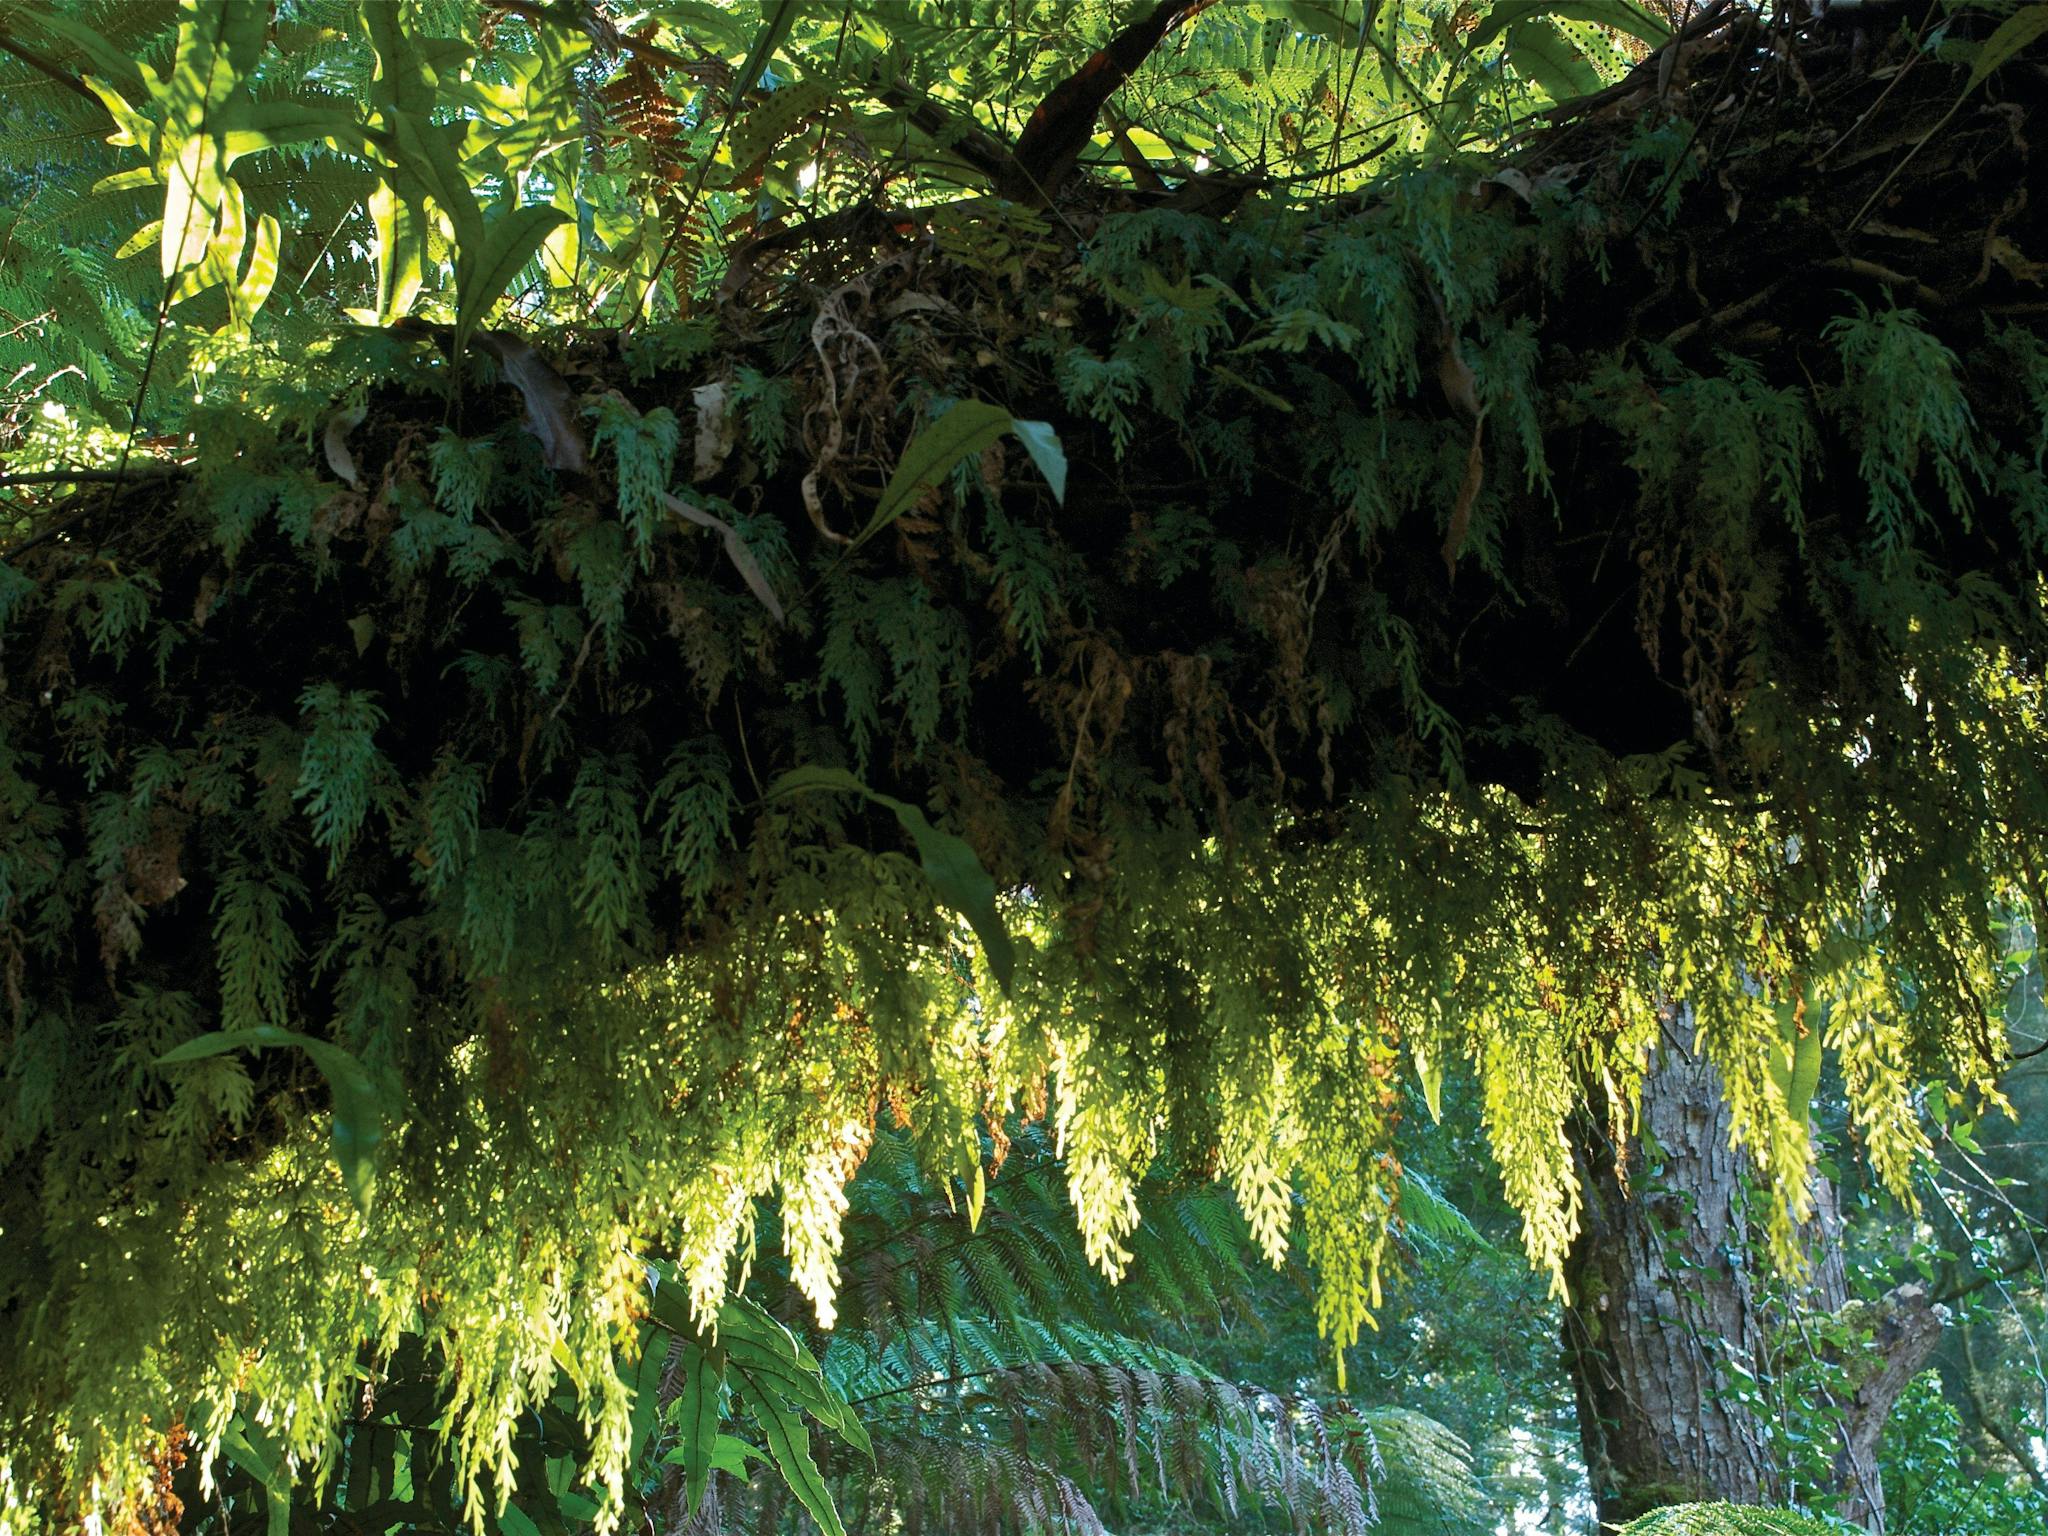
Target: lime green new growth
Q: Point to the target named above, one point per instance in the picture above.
(581, 907)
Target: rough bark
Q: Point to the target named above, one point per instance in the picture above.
(1670, 1324)
(1661, 1308)
(1905, 1324)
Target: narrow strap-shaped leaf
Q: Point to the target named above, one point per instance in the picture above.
(806, 1389)
(696, 1414)
(249, 1448)
(1622, 15)
(967, 427)
(731, 1454)
(742, 1317)
(133, 77)
(1043, 444)
(509, 240)
(790, 1444)
(1541, 50)
(1429, 1071)
(358, 1101)
(956, 875)
(777, 17)
(2016, 33)
(736, 550)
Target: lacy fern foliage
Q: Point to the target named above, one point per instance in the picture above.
(1462, 634)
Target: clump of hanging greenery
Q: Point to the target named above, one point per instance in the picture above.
(975, 1381)
(1290, 581)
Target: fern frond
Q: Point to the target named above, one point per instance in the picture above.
(1729, 1520)
(999, 1353)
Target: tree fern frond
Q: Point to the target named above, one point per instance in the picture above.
(964, 1487)
(1002, 1353)
(1430, 1220)
(1728, 1520)
(1427, 1483)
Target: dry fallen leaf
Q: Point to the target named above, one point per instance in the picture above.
(1468, 493)
(716, 430)
(335, 441)
(736, 550)
(550, 414)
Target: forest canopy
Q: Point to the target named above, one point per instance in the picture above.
(600, 605)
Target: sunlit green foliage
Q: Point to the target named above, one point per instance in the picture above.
(418, 746)
(1930, 1487)
(981, 1377)
(1727, 1520)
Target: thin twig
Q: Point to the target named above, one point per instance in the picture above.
(1883, 95)
(92, 476)
(44, 66)
(62, 525)
(927, 1384)
(1901, 163)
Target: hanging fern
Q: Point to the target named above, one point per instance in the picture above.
(1437, 663)
(1007, 1386)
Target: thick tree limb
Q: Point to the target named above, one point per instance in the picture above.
(963, 136)
(1906, 1327)
(91, 476)
(1060, 129)
(1988, 1420)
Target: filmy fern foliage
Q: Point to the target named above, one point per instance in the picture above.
(982, 1377)
(1435, 666)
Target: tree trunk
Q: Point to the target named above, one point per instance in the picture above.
(1661, 1307)
(1667, 1330)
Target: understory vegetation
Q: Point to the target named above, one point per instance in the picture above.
(986, 765)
